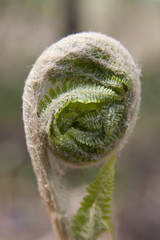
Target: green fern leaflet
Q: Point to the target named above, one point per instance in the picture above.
(94, 216)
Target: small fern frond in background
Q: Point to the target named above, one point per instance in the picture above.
(94, 216)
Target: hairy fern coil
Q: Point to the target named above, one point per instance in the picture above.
(86, 95)
(80, 102)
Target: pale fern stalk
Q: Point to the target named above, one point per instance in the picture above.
(80, 104)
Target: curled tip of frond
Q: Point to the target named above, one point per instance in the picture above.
(82, 95)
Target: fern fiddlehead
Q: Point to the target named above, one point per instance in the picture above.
(80, 103)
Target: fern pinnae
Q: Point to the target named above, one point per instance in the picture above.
(52, 93)
(96, 205)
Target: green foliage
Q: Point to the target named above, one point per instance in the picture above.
(87, 120)
(86, 105)
(94, 216)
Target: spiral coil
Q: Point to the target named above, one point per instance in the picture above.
(88, 98)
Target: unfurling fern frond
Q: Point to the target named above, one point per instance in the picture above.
(94, 216)
(80, 104)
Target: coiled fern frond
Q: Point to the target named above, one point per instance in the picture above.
(80, 104)
(88, 98)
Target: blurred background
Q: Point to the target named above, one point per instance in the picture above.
(26, 28)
